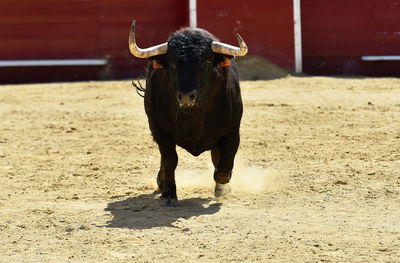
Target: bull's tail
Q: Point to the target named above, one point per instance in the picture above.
(140, 90)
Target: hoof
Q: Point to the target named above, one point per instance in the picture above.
(222, 189)
(169, 202)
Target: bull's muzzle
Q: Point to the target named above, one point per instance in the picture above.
(187, 99)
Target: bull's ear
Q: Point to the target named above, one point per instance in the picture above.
(158, 61)
(222, 60)
(156, 64)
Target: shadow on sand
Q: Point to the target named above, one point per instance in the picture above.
(144, 211)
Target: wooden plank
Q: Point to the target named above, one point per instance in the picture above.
(380, 58)
(53, 62)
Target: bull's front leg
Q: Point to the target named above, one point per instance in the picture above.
(166, 174)
(166, 177)
(223, 156)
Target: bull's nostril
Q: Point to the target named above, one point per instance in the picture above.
(192, 97)
(180, 97)
(188, 99)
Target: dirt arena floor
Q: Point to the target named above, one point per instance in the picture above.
(317, 177)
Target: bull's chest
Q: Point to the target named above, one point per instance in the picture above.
(190, 130)
(196, 135)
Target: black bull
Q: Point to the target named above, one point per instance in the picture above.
(192, 99)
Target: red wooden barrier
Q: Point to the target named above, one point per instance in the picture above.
(265, 25)
(336, 34)
(75, 29)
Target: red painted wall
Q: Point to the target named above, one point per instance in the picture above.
(48, 29)
(155, 21)
(337, 33)
(75, 29)
(265, 25)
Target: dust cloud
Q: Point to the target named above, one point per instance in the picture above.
(245, 179)
(255, 179)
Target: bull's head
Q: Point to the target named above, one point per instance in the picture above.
(191, 59)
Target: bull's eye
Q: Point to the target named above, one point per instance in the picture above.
(172, 66)
(206, 64)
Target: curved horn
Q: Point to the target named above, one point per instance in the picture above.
(226, 49)
(146, 52)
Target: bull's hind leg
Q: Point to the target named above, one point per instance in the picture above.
(221, 189)
(223, 156)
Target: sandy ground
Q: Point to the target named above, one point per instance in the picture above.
(317, 177)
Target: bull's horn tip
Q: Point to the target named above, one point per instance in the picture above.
(242, 44)
(239, 38)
